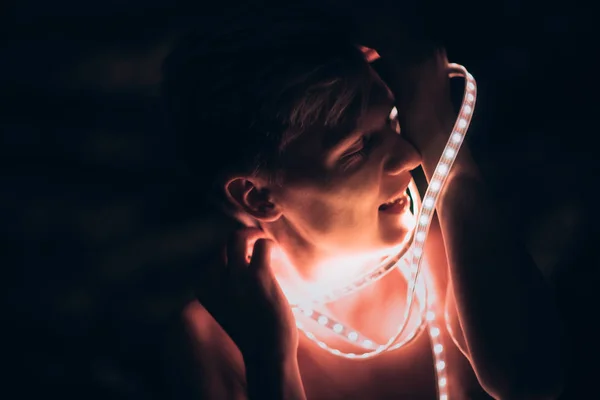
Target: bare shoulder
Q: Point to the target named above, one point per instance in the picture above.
(202, 361)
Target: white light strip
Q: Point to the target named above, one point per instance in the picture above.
(417, 286)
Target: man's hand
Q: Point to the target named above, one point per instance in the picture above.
(422, 91)
(241, 294)
(415, 68)
(244, 297)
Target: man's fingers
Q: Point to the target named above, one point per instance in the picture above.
(236, 251)
(238, 246)
(261, 257)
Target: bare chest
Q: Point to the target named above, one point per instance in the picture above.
(407, 373)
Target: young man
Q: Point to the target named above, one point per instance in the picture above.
(312, 151)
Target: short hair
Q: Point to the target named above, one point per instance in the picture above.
(238, 95)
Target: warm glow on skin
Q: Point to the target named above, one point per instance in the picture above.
(336, 270)
(342, 269)
(353, 244)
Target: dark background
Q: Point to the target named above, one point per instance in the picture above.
(87, 173)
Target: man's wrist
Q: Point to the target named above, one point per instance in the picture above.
(431, 152)
(437, 136)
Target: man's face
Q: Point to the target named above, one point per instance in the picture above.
(345, 192)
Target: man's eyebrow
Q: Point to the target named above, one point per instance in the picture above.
(335, 135)
(338, 134)
(379, 96)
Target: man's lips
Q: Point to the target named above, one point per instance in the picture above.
(396, 204)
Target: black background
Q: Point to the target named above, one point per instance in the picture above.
(87, 170)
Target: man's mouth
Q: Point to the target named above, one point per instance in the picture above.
(396, 205)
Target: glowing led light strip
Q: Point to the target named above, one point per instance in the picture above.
(352, 335)
(411, 271)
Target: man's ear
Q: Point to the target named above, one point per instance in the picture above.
(249, 197)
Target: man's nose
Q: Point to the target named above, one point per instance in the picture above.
(402, 156)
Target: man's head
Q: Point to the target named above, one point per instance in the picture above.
(298, 132)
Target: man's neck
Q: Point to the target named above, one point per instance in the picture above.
(375, 310)
(304, 272)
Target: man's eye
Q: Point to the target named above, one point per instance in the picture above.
(358, 152)
(393, 120)
(357, 147)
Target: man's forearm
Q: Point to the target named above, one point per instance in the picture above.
(505, 309)
(273, 378)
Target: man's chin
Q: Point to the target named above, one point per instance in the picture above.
(393, 241)
(398, 232)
